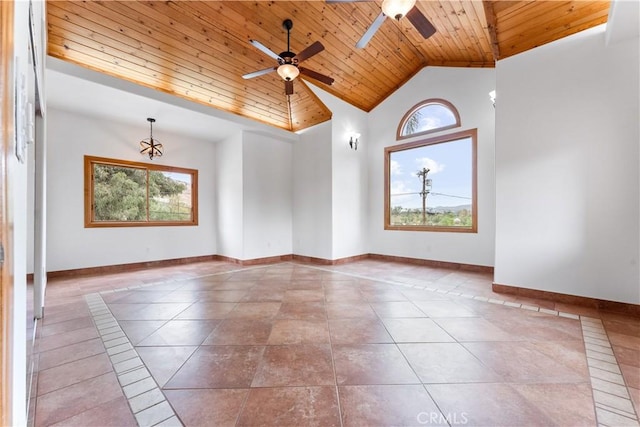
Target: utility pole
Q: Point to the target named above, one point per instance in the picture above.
(426, 189)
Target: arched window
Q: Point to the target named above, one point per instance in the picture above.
(430, 183)
(432, 115)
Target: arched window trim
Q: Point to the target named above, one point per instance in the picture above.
(424, 103)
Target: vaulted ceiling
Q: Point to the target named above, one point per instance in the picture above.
(199, 50)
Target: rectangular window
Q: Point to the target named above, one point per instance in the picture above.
(430, 185)
(120, 193)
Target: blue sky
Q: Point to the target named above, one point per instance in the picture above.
(450, 167)
(177, 176)
(432, 116)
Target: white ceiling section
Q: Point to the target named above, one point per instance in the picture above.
(624, 20)
(77, 89)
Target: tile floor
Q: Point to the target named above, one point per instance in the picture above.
(368, 343)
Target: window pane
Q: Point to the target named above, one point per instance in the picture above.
(429, 117)
(169, 196)
(119, 193)
(431, 185)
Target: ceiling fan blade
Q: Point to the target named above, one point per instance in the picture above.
(421, 22)
(259, 73)
(317, 76)
(265, 49)
(371, 31)
(288, 87)
(309, 51)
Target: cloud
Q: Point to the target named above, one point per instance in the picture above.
(399, 187)
(395, 168)
(399, 190)
(430, 122)
(433, 166)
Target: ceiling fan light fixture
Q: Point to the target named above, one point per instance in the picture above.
(288, 62)
(288, 72)
(397, 8)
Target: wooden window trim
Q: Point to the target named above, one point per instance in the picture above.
(471, 133)
(421, 104)
(89, 161)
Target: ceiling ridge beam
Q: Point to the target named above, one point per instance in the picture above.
(490, 18)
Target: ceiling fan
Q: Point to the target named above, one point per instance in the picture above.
(288, 61)
(397, 9)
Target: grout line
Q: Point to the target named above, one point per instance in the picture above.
(146, 400)
(596, 340)
(610, 394)
(601, 369)
(333, 361)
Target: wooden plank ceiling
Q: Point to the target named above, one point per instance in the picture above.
(199, 50)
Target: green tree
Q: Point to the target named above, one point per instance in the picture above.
(161, 185)
(412, 125)
(120, 193)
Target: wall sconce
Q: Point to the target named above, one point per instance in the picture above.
(149, 146)
(353, 141)
(492, 97)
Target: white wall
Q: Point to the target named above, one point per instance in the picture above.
(228, 196)
(332, 184)
(567, 179)
(312, 193)
(30, 206)
(71, 136)
(253, 187)
(350, 183)
(16, 216)
(267, 193)
(468, 90)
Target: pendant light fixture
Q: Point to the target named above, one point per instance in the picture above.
(149, 146)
